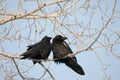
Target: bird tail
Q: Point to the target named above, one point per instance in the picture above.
(24, 56)
(72, 63)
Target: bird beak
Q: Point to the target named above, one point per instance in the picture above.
(64, 38)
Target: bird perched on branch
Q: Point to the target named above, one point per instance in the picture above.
(62, 49)
(40, 50)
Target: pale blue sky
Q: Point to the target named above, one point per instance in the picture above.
(88, 60)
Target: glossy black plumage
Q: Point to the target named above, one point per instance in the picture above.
(40, 50)
(62, 49)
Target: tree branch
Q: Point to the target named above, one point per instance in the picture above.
(18, 69)
(47, 71)
(10, 56)
(5, 20)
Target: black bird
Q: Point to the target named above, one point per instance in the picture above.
(62, 49)
(40, 50)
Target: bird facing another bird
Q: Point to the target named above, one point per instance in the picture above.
(40, 50)
(60, 48)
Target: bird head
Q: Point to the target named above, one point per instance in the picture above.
(59, 38)
(46, 38)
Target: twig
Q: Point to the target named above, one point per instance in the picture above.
(103, 66)
(47, 70)
(10, 56)
(5, 20)
(18, 69)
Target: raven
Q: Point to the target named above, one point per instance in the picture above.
(61, 49)
(40, 50)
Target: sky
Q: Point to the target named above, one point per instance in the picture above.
(87, 59)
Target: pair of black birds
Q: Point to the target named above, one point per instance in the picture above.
(60, 48)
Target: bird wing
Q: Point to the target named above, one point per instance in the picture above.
(31, 46)
(32, 53)
(69, 51)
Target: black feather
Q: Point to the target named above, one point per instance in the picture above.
(62, 49)
(40, 50)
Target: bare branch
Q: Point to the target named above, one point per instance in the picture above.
(18, 16)
(47, 71)
(18, 69)
(9, 56)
